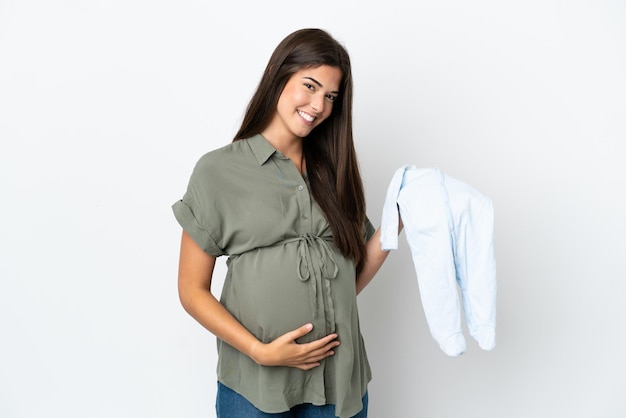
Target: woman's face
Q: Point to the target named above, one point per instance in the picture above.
(306, 101)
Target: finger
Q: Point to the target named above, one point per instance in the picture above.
(322, 342)
(317, 355)
(307, 366)
(297, 333)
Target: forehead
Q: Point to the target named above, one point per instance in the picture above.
(329, 77)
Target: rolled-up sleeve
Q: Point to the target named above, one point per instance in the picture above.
(197, 211)
(185, 216)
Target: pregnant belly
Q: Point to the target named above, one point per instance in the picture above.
(265, 293)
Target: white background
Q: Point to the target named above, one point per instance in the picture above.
(106, 105)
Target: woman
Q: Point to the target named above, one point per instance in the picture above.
(285, 202)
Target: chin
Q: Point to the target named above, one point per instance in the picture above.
(303, 134)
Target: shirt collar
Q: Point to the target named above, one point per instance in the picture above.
(261, 148)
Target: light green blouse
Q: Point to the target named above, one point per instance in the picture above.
(248, 201)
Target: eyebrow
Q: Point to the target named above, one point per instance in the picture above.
(319, 84)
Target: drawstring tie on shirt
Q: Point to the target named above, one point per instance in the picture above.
(316, 264)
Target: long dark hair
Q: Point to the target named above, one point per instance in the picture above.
(329, 151)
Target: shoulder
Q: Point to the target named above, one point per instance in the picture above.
(218, 155)
(226, 166)
(223, 158)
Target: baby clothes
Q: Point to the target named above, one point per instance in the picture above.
(449, 227)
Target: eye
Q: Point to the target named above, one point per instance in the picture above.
(309, 86)
(331, 97)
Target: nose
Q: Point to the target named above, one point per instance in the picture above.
(317, 104)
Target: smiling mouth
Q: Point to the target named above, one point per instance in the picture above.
(306, 116)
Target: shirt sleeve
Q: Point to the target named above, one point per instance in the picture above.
(368, 229)
(196, 214)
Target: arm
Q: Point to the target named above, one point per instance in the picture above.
(374, 260)
(195, 272)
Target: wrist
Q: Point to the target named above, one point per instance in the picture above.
(256, 352)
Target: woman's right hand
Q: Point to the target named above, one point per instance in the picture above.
(285, 351)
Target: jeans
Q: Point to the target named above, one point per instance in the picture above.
(230, 404)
